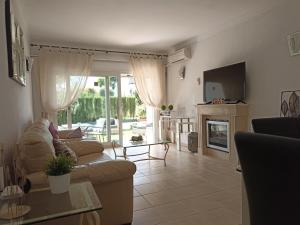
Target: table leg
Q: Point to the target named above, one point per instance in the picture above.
(81, 218)
(149, 152)
(92, 218)
(125, 153)
(113, 146)
(166, 146)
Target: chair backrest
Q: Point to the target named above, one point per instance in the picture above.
(271, 171)
(282, 126)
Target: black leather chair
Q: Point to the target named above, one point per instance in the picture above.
(271, 171)
(282, 126)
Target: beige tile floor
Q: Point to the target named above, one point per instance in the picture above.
(190, 190)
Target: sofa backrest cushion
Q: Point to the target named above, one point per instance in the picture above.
(77, 133)
(36, 146)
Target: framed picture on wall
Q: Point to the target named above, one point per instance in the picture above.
(290, 104)
(294, 43)
(15, 46)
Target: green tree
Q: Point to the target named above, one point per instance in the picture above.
(138, 99)
(113, 82)
(101, 82)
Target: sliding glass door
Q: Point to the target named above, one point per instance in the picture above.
(109, 109)
(137, 118)
(96, 111)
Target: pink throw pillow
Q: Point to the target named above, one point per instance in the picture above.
(53, 131)
(77, 133)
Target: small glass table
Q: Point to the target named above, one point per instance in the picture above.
(81, 198)
(148, 144)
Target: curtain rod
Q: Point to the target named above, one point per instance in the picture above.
(95, 50)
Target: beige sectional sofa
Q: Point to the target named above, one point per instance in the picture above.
(112, 179)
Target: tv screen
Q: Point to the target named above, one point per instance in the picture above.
(226, 83)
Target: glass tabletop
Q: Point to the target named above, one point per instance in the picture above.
(80, 198)
(130, 144)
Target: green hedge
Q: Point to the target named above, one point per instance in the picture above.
(89, 109)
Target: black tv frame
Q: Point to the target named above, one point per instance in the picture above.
(227, 101)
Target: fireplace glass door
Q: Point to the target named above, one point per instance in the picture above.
(217, 135)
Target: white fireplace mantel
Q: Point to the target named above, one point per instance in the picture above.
(235, 114)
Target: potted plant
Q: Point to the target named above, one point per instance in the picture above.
(170, 107)
(58, 171)
(163, 107)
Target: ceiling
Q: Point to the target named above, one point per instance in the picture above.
(154, 25)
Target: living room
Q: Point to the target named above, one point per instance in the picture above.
(191, 188)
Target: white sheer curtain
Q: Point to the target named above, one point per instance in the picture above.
(63, 76)
(150, 81)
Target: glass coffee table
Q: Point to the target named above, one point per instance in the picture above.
(80, 199)
(147, 144)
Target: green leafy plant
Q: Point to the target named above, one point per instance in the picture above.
(59, 166)
(170, 107)
(163, 107)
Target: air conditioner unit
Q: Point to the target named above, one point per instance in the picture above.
(179, 55)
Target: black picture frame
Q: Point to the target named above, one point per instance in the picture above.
(15, 47)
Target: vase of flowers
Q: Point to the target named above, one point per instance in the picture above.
(58, 171)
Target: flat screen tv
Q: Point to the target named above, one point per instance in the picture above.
(226, 83)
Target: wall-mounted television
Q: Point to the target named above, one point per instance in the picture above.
(226, 83)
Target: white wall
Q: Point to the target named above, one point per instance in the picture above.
(15, 100)
(262, 43)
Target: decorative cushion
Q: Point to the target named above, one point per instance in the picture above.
(77, 133)
(53, 131)
(36, 146)
(62, 149)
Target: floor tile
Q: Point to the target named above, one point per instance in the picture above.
(191, 190)
(140, 203)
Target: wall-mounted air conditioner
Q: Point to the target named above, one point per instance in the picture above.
(179, 55)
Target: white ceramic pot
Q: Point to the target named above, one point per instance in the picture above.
(59, 184)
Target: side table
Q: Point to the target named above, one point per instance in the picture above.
(80, 199)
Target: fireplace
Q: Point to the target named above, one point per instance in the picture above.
(217, 133)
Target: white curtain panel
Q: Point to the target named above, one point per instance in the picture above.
(150, 80)
(63, 76)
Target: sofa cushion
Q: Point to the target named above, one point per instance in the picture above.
(85, 147)
(62, 149)
(36, 146)
(92, 158)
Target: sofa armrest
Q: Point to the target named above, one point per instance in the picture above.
(98, 172)
(85, 147)
(109, 171)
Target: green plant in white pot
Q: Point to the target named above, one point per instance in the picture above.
(170, 107)
(58, 171)
(163, 107)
